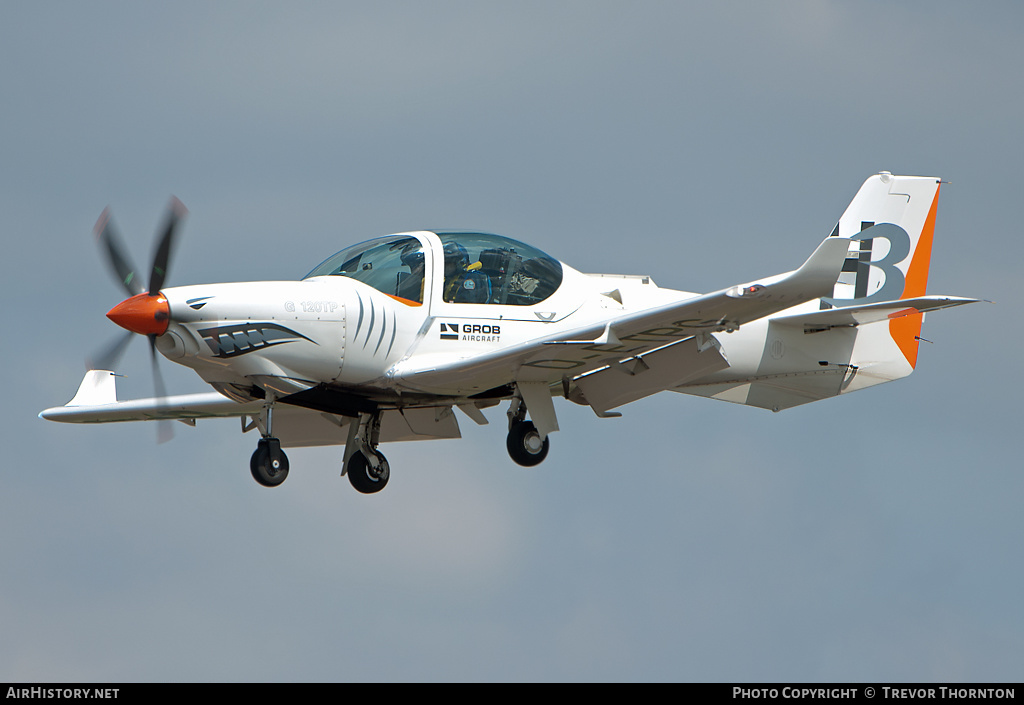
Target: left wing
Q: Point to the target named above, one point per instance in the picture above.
(96, 402)
(589, 348)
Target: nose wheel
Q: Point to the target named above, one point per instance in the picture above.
(269, 464)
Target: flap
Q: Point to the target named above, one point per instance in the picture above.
(653, 372)
(297, 427)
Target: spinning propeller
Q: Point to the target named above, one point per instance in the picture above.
(145, 312)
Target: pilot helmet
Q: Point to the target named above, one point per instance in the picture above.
(456, 258)
(412, 257)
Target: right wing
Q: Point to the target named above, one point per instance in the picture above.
(590, 348)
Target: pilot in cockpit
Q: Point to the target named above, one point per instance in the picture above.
(410, 284)
(464, 283)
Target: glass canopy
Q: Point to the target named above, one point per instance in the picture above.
(478, 268)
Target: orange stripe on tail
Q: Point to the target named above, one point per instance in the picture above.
(906, 329)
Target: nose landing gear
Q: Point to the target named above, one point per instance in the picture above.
(269, 464)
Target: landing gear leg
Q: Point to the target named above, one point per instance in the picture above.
(524, 442)
(367, 468)
(269, 464)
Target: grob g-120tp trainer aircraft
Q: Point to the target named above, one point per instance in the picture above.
(380, 342)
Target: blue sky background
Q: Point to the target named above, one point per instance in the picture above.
(875, 537)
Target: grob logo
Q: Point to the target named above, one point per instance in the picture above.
(476, 332)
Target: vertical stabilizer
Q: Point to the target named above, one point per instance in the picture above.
(892, 221)
(867, 332)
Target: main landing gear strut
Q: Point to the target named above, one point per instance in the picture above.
(269, 464)
(524, 443)
(366, 467)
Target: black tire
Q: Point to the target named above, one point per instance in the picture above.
(269, 464)
(524, 445)
(362, 478)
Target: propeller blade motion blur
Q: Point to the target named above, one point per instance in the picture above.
(144, 312)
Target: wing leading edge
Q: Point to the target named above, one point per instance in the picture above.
(96, 402)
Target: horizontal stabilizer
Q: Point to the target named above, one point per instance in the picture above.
(870, 313)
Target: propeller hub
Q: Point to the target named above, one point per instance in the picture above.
(144, 314)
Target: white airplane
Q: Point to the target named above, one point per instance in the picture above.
(380, 341)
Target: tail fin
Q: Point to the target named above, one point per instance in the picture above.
(866, 333)
(901, 211)
(893, 220)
